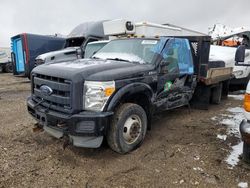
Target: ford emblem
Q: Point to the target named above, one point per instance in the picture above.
(46, 90)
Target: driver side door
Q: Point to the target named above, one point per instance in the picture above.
(168, 73)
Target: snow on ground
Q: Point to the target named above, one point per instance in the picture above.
(233, 158)
(237, 97)
(232, 121)
(243, 185)
(222, 137)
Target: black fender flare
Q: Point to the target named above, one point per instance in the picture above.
(129, 90)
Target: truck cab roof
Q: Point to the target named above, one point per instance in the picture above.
(87, 29)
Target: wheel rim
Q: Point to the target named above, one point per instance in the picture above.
(132, 129)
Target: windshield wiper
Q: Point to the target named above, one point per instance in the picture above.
(118, 59)
(125, 60)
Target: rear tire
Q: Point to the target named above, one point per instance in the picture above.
(127, 129)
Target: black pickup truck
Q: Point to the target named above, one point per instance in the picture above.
(114, 94)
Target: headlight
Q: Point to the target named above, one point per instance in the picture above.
(96, 94)
(39, 62)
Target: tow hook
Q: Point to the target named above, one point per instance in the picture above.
(245, 135)
(37, 128)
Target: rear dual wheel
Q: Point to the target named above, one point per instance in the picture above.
(128, 128)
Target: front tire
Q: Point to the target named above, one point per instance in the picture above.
(127, 129)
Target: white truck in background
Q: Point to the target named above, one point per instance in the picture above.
(245, 126)
(75, 44)
(226, 40)
(5, 60)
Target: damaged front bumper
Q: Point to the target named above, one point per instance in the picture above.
(85, 129)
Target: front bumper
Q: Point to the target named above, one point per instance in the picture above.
(85, 129)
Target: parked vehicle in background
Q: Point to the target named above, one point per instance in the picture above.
(5, 60)
(75, 44)
(26, 47)
(116, 92)
(226, 40)
(245, 124)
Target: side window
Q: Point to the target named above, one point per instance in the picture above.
(185, 57)
(179, 56)
(91, 40)
(170, 55)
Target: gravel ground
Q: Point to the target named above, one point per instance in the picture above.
(181, 150)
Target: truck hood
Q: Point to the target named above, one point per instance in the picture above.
(94, 70)
(57, 52)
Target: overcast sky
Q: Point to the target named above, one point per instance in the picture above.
(61, 16)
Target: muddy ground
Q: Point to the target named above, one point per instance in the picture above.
(181, 150)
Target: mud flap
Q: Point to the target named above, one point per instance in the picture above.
(225, 89)
(216, 94)
(201, 97)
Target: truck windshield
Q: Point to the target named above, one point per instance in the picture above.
(92, 48)
(74, 42)
(130, 50)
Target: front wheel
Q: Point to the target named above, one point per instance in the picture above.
(128, 128)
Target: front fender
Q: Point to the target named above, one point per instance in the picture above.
(127, 91)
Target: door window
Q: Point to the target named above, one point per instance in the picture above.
(170, 55)
(178, 54)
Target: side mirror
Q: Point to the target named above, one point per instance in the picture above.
(240, 54)
(164, 66)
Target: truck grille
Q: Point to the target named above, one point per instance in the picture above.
(59, 100)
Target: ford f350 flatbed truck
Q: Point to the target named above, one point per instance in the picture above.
(114, 94)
